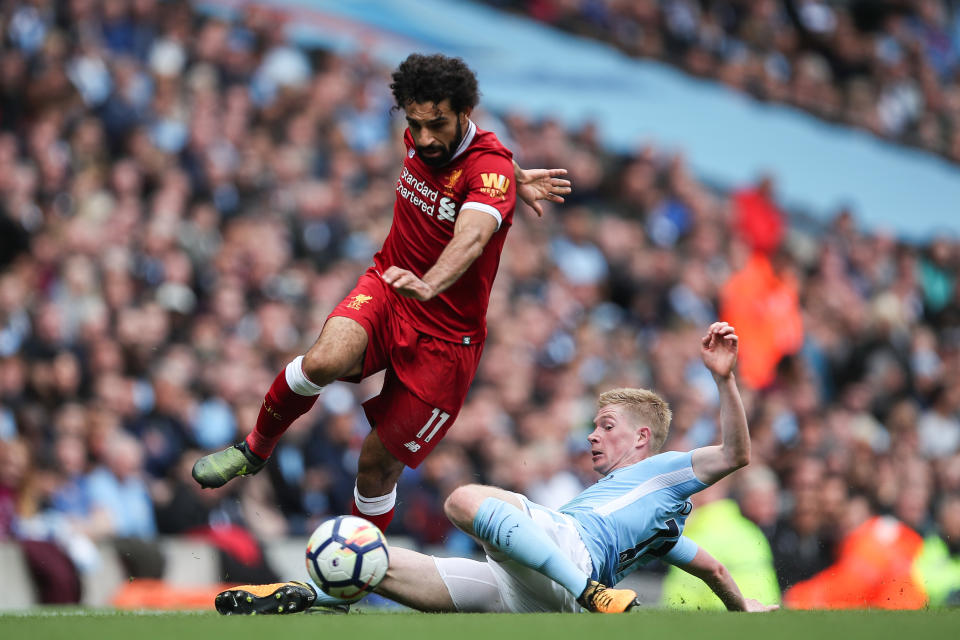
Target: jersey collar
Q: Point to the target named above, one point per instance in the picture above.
(619, 469)
(467, 139)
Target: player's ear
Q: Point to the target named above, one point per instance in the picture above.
(464, 115)
(643, 436)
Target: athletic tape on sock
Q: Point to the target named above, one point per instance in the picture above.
(297, 381)
(375, 506)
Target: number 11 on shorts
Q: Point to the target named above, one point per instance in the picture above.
(433, 417)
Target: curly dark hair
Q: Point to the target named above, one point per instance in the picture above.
(435, 78)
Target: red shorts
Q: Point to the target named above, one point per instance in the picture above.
(427, 378)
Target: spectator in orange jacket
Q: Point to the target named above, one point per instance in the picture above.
(762, 301)
(873, 568)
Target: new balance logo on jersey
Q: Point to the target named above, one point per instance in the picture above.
(413, 446)
(448, 209)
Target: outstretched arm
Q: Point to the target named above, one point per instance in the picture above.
(716, 576)
(471, 234)
(540, 184)
(718, 349)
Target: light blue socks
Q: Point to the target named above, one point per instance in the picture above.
(508, 529)
(323, 600)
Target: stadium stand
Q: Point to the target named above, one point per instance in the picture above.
(886, 67)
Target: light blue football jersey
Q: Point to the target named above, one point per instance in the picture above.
(635, 514)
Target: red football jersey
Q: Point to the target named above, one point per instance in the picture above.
(480, 176)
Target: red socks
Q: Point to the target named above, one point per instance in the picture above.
(290, 396)
(382, 521)
(378, 510)
(281, 406)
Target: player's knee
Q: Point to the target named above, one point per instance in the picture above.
(461, 505)
(321, 367)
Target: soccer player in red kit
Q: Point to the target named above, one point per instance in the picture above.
(420, 311)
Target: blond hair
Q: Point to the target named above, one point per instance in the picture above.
(647, 407)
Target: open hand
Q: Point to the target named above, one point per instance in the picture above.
(755, 606)
(542, 184)
(407, 284)
(718, 349)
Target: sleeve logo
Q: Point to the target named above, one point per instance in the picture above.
(358, 301)
(494, 185)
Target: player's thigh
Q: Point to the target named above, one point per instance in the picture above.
(407, 426)
(338, 352)
(356, 337)
(414, 581)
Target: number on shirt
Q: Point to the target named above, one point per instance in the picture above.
(656, 546)
(443, 418)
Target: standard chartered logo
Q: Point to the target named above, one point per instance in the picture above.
(422, 196)
(414, 199)
(420, 186)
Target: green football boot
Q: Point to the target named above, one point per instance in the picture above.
(217, 469)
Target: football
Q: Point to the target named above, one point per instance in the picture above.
(347, 557)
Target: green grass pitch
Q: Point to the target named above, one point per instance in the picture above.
(78, 624)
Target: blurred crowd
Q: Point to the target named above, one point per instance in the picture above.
(185, 198)
(886, 66)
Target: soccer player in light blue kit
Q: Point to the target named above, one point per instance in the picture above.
(539, 559)
(633, 514)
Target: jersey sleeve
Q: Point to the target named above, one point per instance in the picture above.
(687, 482)
(491, 188)
(683, 552)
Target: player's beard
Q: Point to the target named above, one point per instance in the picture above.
(447, 155)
